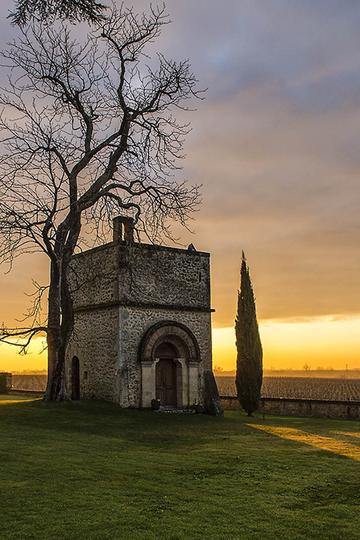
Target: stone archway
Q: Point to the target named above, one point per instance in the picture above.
(169, 356)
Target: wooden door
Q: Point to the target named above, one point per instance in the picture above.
(166, 382)
(75, 378)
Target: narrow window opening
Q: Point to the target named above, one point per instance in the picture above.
(75, 378)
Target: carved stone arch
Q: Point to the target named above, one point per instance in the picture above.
(174, 333)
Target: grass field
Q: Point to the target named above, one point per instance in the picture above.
(89, 470)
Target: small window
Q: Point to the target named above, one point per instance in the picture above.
(200, 277)
(85, 375)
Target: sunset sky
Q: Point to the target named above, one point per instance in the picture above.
(275, 145)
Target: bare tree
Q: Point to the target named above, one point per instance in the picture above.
(88, 132)
(73, 10)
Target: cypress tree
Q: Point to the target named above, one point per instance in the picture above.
(249, 350)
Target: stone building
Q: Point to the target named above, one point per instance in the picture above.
(142, 324)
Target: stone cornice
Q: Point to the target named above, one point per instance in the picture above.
(140, 245)
(146, 305)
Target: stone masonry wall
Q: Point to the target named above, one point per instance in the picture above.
(141, 273)
(94, 342)
(133, 323)
(300, 407)
(94, 276)
(167, 276)
(122, 290)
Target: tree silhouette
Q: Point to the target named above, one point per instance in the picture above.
(73, 10)
(249, 371)
(89, 132)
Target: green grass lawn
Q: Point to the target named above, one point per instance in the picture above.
(90, 470)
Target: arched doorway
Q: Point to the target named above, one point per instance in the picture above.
(170, 365)
(166, 374)
(75, 378)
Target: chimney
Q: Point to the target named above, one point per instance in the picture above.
(123, 229)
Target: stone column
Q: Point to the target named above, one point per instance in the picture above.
(147, 383)
(193, 383)
(182, 383)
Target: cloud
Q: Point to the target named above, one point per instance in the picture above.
(283, 185)
(275, 145)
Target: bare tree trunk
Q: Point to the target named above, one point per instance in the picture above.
(59, 338)
(53, 332)
(67, 325)
(63, 312)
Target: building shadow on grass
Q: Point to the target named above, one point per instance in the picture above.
(103, 419)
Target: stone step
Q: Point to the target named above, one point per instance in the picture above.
(174, 410)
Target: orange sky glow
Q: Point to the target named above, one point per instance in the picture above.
(275, 147)
(325, 342)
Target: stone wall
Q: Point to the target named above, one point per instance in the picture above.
(141, 273)
(133, 323)
(161, 275)
(5, 382)
(94, 342)
(119, 291)
(94, 276)
(300, 407)
(106, 341)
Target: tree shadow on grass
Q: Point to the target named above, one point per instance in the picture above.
(107, 420)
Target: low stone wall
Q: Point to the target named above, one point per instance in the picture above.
(300, 407)
(5, 382)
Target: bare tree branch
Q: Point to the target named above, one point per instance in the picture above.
(73, 10)
(20, 337)
(88, 131)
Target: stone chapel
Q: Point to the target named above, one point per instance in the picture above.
(142, 327)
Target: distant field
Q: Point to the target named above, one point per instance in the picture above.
(287, 387)
(299, 387)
